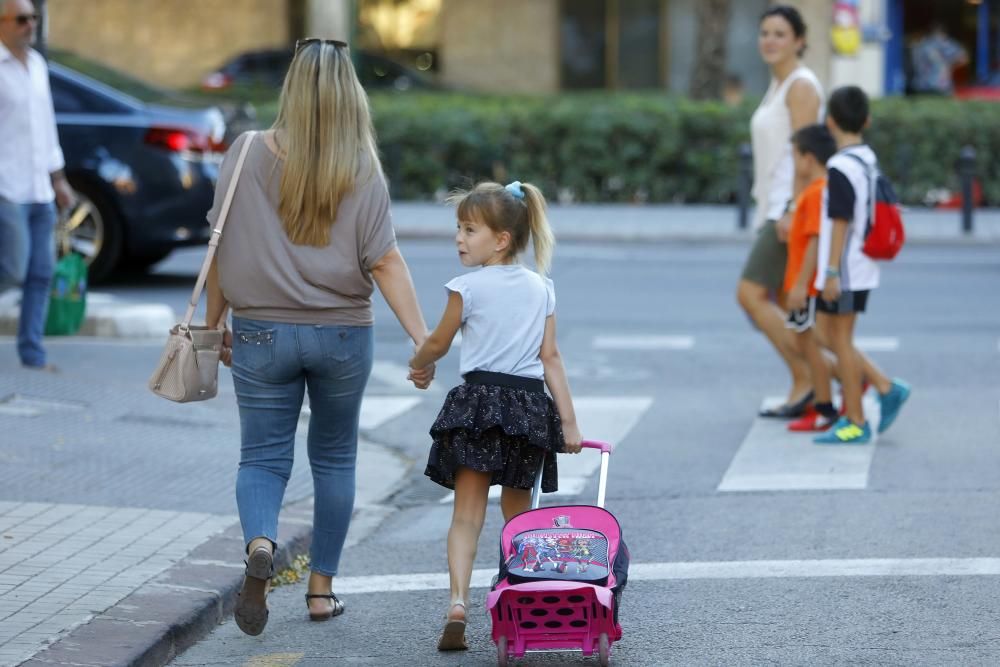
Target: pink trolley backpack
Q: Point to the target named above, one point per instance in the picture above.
(562, 573)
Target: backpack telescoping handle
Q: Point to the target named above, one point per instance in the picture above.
(602, 486)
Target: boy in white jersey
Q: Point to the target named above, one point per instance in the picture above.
(844, 273)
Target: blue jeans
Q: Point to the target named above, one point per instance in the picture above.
(27, 258)
(273, 365)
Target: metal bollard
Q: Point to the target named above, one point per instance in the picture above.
(743, 182)
(966, 174)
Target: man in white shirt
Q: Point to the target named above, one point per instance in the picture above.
(32, 181)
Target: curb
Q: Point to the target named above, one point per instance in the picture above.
(181, 606)
(679, 236)
(106, 317)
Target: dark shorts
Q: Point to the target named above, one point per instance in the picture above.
(849, 302)
(766, 263)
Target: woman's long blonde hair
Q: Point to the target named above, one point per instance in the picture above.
(328, 140)
(518, 209)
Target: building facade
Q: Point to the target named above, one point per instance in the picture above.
(524, 46)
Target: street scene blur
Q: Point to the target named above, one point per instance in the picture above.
(338, 235)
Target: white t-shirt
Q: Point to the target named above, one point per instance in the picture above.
(846, 197)
(503, 319)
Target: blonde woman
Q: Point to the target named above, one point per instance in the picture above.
(310, 235)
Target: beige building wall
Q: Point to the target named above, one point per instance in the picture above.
(170, 43)
(500, 45)
(865, 69)
(818, 15)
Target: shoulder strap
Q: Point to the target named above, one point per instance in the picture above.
(872, 172)
(213, 242)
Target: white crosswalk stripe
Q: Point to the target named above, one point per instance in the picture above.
(750, 569)
(606, 418)
(643, 342)
(771, 458)
(876, 343)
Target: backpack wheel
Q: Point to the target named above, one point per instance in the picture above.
(502, 652)
(604, 649)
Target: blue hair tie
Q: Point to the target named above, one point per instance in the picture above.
(515, 189)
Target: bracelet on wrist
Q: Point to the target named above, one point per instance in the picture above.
(832, 273)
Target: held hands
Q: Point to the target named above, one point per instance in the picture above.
(797, 298)
(782, 226)
(572, 438)
(421, 377)
(831, 289)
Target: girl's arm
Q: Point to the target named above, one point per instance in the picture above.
(437, 344)
(555, 379)
(393, 279)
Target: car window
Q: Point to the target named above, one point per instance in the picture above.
(65, 99)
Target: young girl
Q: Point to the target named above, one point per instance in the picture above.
(498, 426)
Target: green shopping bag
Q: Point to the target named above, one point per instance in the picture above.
(68, 297)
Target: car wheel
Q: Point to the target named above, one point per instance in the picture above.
(94, 230)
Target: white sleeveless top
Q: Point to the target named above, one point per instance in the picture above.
(770, 135)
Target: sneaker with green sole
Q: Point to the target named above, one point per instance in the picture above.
(845, 432)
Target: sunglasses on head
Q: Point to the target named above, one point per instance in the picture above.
(302, 43)
(23, 19)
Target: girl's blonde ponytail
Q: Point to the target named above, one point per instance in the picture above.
(541, 233)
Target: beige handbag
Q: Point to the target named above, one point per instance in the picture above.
(189, 367)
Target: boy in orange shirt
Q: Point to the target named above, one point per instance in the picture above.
(812, 146)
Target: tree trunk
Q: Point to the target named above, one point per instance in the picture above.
(709, 71)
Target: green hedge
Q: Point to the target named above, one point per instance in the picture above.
(629, 148)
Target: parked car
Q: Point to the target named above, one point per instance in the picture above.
(145, 172)
(266, 68)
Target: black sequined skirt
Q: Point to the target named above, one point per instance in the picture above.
(501, 430)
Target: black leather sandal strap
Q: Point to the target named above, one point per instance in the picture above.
(331, 596)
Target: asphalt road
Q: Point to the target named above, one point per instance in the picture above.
(902, 570)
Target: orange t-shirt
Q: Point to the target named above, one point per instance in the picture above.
(805, 224)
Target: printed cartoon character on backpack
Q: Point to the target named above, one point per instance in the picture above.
(581, 552)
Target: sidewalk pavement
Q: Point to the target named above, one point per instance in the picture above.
(106, 316)
(119, 540)
(677, 222)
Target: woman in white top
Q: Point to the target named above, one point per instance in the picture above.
(794, 99)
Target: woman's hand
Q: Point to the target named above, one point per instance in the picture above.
(226, 353)
(572, 439)
(421, 377)
(782, 226)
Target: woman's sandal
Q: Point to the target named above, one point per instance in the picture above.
(453, 635)
(336, 609)
(251, 603)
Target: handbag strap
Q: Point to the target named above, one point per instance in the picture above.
(213, 242)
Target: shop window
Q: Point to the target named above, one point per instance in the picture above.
(406, 32)
(611, 43)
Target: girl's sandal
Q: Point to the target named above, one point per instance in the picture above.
(453, 635)
(251, 603)
(336, 609)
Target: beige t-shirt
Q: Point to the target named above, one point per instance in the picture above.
(264, 276)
